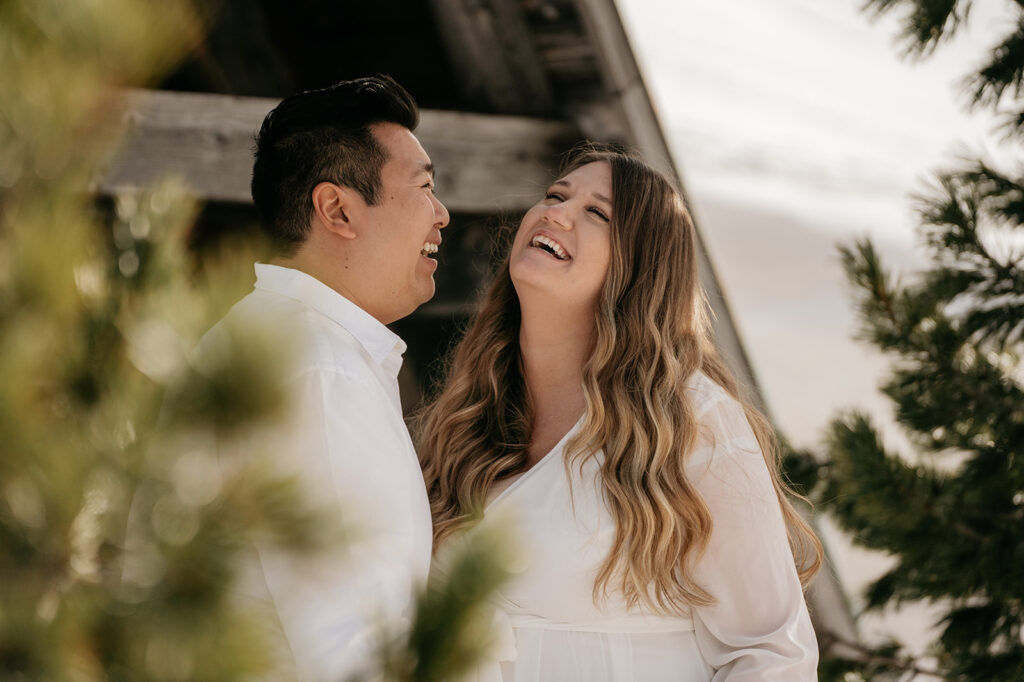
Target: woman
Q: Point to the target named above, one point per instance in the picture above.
(587, 398)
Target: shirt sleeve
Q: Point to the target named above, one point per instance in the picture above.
(758, 628)
(353, 463)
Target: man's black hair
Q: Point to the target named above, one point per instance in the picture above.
(323, 136)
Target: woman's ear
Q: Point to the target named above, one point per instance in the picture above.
(336, 208)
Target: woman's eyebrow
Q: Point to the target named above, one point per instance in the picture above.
(568, 184)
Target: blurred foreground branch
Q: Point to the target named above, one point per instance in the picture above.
(121, 533)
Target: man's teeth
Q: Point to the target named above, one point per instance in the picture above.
(550, 245)
(428, 248)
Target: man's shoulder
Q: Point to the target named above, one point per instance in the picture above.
(316, 343)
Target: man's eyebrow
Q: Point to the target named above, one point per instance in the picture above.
(424, 167)
(568, 184)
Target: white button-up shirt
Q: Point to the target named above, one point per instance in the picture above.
(348, 445)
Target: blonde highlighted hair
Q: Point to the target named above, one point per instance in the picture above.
(653, 332)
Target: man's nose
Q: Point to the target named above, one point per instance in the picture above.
(441, 214)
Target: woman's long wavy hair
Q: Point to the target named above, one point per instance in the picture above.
(653, 332)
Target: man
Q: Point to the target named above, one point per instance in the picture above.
(346, 194)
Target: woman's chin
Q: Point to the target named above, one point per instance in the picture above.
(554, 303)
(531, 282)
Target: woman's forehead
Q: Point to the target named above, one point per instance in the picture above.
(594, 177)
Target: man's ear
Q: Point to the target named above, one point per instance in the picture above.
(336, 207)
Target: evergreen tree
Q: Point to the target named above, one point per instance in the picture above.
(953, 518)
(119, 530)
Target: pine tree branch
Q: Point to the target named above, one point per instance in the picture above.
(1012, 125)
(876, 306)
(873, 491)
(803, 471)
(965, 204)
(952, 218)
(927, 22)
(917, 514)
(1004, 71)
(956, 331)
(866, 655)
(949, 391)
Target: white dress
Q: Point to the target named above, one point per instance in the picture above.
(758, 629)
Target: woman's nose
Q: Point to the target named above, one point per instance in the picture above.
(558, 215)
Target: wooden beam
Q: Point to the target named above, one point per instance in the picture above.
(491, 50)
(485, 163)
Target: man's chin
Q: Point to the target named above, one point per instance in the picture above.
(423, 296)
(427, 294)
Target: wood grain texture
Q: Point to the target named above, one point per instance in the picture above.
(484, 163)
(490, 47)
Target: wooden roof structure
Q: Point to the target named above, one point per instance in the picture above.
(505, 87)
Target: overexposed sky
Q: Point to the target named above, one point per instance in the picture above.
(796, 124)
(806, 104)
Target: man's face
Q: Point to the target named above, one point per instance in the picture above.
(405, 224)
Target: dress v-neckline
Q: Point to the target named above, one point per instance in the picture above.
(558, 447)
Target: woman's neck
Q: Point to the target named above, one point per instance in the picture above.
(554, 349)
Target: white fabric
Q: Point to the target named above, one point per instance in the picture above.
(759, 628)
(347, 443)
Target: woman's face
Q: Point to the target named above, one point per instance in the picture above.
(563, 246)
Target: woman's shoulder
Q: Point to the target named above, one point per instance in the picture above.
(721, 419)
(705, 394)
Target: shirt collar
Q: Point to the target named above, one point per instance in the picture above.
(383, 345)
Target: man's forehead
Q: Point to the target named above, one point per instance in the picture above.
(403, 147)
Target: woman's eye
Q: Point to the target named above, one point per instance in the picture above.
(600, 214)
(552, 195)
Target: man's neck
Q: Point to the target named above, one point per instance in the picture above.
(332, 276)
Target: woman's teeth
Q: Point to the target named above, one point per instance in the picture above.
(550, 245)
(428, 248)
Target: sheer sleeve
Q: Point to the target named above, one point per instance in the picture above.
(758, 628)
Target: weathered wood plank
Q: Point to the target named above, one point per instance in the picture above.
(485, 163)
(491, 49)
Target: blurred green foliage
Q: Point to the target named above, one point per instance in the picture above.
(120, 530)
(454, 625)
(98, 314)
